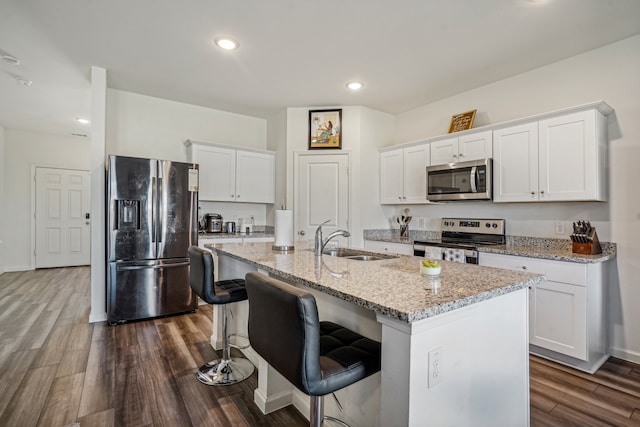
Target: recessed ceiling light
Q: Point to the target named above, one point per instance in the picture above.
(226, 43)
(23, 81)
(355, 85)
(9, 59)
(82, 120)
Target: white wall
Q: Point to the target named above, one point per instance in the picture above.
(144, 126)
(22, 150)
(3, 226)
(609, 73)
(363, 131)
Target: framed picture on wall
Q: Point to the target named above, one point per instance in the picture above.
(325, 129)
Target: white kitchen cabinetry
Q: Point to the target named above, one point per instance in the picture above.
(255, 177)
(560, 158)
(403, 175)
(467, 147)
(228, 174)
(388, 247)
(567, 313)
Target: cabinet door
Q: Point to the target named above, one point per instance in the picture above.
(255, 177)
(217, 172)
(392, 177)
(444, 151)
(416, 160)
(475, 146)
(568, 157)
(515, 163)
(558, 318)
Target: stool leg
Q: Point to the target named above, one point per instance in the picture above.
(227, 370)
(317, 410)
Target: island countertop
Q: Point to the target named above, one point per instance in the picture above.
(392, 287)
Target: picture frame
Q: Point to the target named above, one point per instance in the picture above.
(325, 129)
(462, 121)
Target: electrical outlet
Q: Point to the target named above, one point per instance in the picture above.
(434, 371)
(560, 227)
(422, 223)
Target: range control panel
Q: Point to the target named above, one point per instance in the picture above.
(467, 225)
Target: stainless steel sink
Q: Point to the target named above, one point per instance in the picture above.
(356, 254)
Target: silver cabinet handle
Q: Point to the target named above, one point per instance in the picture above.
(301, 232)
(524, 267)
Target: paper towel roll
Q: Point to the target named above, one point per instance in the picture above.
(284, 228)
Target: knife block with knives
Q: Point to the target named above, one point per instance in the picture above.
(585, 239)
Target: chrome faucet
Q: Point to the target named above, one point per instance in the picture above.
(319, 244)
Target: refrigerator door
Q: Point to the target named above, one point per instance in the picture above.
(131, 207)
(146, 289)
(177, 208)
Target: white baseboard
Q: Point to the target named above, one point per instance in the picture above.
(275, 401)
(624, 354)
(97, 317)
(18, 268)
(302, 402)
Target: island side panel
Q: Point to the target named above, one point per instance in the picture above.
(361, 401)
(483, 368)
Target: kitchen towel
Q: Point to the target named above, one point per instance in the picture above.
(284, 228)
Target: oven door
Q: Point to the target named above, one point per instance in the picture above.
(460, 181)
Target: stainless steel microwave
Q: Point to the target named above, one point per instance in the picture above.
(460, 181)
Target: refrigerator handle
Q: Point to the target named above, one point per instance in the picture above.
(152, 267)
(160, 209)
(154, 201)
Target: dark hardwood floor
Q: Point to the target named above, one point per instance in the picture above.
(58, 370)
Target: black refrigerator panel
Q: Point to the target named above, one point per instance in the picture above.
(132, 202)
(147, 289)
(177, 209)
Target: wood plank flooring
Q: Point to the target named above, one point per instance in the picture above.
(58, 370)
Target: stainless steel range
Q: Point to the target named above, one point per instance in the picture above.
(461, 238)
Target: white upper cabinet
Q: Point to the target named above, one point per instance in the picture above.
(255, 177)
(560, 158)
(571, 157)
(403, 175)
(467, 147)
(233, 175)
(515, 163)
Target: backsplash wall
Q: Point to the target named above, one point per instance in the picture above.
(522, 219)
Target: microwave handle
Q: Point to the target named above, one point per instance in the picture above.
(472, 179)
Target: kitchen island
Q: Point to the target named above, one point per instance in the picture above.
(453, 354)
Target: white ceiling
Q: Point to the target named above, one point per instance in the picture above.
(293, 53)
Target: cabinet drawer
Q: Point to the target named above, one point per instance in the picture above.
(557, 271)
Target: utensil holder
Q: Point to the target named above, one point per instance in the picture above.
(591, 248)
(404, 230)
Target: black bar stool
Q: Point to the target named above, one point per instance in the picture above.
(316, 357)
(227, 370)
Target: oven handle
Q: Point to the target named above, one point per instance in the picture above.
(472, 179)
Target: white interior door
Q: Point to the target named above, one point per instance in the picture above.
(321, 194)
(61, 214)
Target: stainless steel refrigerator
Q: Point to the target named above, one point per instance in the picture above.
(152, 208)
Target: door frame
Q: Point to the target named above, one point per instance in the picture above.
(34, 167)
(296, 169)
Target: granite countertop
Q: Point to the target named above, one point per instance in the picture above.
(553, 249)
(531, 247)
(235, 235)
(392, 287)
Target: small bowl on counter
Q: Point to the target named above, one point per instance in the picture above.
(430, 267)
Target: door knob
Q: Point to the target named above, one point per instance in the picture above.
(301, 232)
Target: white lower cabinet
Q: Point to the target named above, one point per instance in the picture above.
(567, 312)
(388, 247)
(213, 240)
